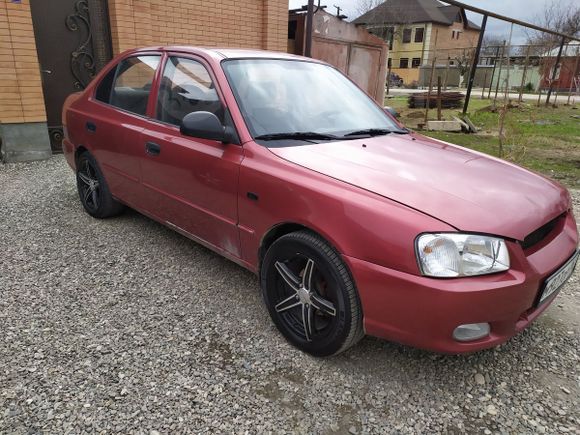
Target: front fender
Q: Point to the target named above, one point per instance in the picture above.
(358, 223)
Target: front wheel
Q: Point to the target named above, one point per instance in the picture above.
(310, 295)
(93, 190)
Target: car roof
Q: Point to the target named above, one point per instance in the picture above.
(224, 53)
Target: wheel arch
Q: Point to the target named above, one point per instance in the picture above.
(78, 151)
(283, 228)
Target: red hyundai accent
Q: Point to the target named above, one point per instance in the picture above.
(354, 224)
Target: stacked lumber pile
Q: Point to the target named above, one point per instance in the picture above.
(449, 100)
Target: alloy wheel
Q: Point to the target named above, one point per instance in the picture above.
(89, 185)
(304, 298)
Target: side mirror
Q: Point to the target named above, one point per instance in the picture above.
(390, 111)
(204, 125)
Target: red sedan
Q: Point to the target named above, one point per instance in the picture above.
(354, 224)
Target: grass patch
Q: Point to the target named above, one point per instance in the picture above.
(543, 139)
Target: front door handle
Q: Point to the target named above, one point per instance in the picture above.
(152, 148)
(91, 126)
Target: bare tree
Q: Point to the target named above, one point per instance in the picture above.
(559, 15)
(363, 6)
(386, 23)
(463, 63)
(490, 44)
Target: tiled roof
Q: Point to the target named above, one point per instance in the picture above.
(412, 11)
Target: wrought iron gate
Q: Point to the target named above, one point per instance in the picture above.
(73, 42)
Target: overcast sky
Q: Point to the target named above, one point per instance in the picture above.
(524, 10)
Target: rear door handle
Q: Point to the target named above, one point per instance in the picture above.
(152, 148)
(91, 126)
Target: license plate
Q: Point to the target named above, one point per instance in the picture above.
(559, 278)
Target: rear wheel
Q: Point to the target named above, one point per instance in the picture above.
(93, 190)
(310, 294)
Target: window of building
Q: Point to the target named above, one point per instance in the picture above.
(133, 83)
(407, 35)
(419, 33)
(404, 62)
(453, 34)
(389, 62)
(416, 62)
(186, 87)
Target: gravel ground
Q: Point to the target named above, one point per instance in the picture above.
(124, 326)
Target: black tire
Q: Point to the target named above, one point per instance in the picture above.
(320, 315)
(93, 190)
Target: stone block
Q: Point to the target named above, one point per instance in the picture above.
(24, 142)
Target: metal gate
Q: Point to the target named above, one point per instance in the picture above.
(73, 42)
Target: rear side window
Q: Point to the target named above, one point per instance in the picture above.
(103, 92)
(186, 87)
(132, 84)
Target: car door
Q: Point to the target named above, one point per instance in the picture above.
(114, 122)
(192, 183)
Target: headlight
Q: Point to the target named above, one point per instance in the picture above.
(449, 255)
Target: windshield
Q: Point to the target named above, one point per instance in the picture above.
(302, 100)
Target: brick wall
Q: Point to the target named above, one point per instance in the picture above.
(226, 23)
(450, 46)
(135, 23)
(21, 97)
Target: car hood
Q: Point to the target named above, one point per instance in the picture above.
(465, 189)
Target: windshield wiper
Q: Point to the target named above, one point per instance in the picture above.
(375, 132)
(304, 135)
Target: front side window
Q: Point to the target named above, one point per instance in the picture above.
(407, 35)
(404, 62)
(132, 84)
(416, 62)
(279, 96)
(186, 87)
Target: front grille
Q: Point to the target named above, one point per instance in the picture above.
(541, 233)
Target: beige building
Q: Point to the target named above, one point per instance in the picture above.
(50, 48)
(419, 30)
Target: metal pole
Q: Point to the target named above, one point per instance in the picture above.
(524, 74)
(439, 98)
(493, 72)
(309, 20)
(573, 75)
(389, 78)
(558, 58)
(503, 111)
(499, 73)
(433, 64)
(484, 84)
(509, 50)
(510, 20)
(474, 65)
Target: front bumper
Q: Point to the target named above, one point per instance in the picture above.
(423, 312)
